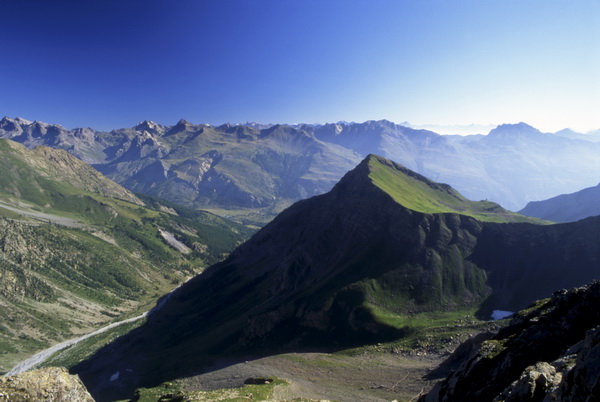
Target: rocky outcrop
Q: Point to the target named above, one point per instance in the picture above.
(536, 381)
(51, 384)
(549, 352)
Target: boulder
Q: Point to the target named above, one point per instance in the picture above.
(52, 384)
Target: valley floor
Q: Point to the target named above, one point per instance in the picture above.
(342, 377)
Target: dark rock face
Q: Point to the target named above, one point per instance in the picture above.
(526, 262)
(308, 279)
(550, 351)
(582, 383)
(303, 281)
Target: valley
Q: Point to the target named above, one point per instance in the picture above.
(300, 201)
(79, 252)
(359, 293)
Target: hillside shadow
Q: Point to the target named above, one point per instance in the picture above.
(136, 360)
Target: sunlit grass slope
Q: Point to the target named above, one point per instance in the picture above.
(420, 194)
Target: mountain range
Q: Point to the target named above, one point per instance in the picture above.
(78, 251)
(356, 265)
(261, 169)
(332, 271)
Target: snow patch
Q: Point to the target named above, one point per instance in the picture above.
(500, 314)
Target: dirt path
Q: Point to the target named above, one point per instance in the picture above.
(368, 377)
(42, 356)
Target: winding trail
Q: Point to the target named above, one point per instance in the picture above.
(42, 356)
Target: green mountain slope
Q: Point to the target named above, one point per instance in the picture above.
(420, 194)
(350, 267)
(45, 176)
(78, 251)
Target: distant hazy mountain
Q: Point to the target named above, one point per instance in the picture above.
(456, 129)
(267, 167)
(570, 134)
(513, 164)
(566, 207)
(329, 270)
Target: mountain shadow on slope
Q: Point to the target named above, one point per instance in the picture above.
(528, 262)
(319, 275)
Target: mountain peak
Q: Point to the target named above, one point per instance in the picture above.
(514, 130)
(147, 125)
(417, 193)
(18, 120)
(8, 123)
(181, 126)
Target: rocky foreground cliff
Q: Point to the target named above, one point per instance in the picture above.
(549, 352)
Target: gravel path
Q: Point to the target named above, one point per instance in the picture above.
(40, 357)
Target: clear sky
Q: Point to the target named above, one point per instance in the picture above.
(113, 63)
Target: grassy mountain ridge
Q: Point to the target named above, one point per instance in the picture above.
(418, 193)
(44, 175)
(74, 258)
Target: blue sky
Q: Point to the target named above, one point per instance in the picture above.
(112, 63)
